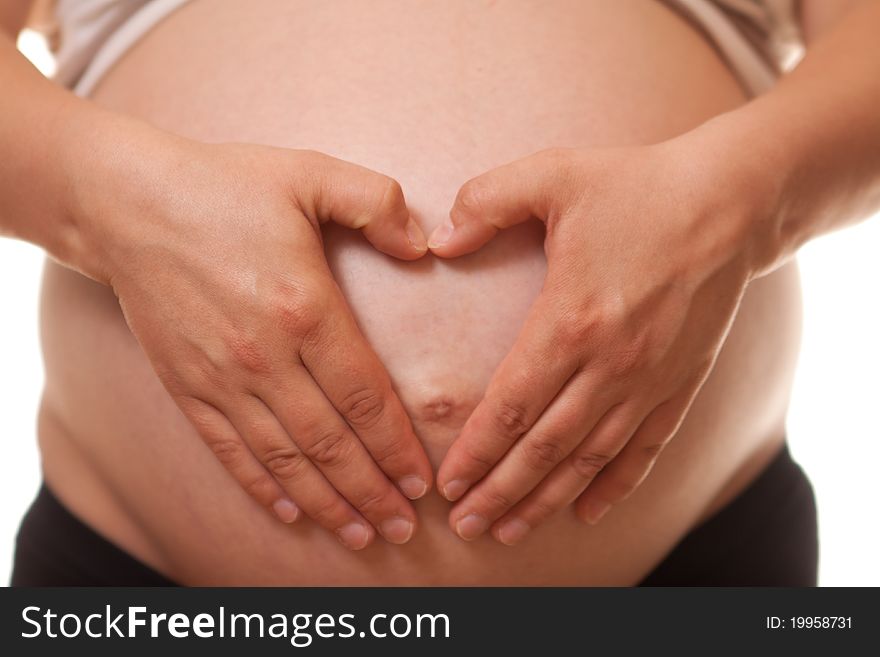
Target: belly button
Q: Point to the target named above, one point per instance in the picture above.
(437, 420)
(437, 409)
(444, 410)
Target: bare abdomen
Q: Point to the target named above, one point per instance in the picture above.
(432, 94)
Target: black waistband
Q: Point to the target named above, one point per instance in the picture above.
(55, 548)
(767, 536)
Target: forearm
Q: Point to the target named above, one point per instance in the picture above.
(35, 113)
(60, 154)
(810, 149)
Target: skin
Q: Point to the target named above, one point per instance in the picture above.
(119, 454)
(76, 239)
(255, 335)
(615, 348)
(251, 332)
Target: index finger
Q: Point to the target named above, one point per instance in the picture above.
(357, 384)
(525, 383)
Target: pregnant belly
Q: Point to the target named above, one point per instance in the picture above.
(432, 94)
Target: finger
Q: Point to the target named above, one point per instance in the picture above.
(223, 440)
(354, 380)
(571, 476)
(564, 424)
(357, 197)
(524, 384)
(621, 477)
(333, 448)
(498, 199)
(296, 474)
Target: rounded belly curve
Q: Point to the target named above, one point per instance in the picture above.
(431, 94)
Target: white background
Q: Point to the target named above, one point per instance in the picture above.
(832, 425)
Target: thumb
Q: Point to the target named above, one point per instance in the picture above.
(356, 197)
(503, 197)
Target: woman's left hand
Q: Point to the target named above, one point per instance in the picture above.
(649, 250)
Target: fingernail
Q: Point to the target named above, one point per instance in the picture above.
(415, 235)
(441, 234)
(594, 511)
(396, 530)
(455, 489)
(286, 510)
(413, 486)
(513, 531)
(470, 526)
(354, 536)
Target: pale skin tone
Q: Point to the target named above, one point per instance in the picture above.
(227, 290)
(632, 314)
(648, 257)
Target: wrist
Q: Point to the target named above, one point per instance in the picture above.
(110, 164)
(745, 173)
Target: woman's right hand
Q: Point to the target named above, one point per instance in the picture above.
(217, 260)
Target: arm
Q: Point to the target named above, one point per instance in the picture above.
(816, 135)
(27, 213)
(214, 251)
(616, 348)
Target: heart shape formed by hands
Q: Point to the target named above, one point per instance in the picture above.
(611, 355)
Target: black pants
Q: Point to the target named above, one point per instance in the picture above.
(765, 537)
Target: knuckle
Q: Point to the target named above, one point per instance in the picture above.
(602, 323)
(209, 374)
(260, 488)
(624, 362)
(284, 463)
(478, 456)
(368, 501)
(634, 356)
(497, 499)
(200, 414)
(564, 164)
(327, 511)
(193, 372)
(296, 308)
(261, 431)
(588, 464)
(296, 317)
(174, 383)
(473, 198)
(307, 170)
(331, 448)
(389, 452)
(363, 407)
(512, 419)
(312, 168)
(541, 455)
(228, 452)
(250, 355)
(612, 311)
(577, 329)
(541, 508)
(390, 195)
